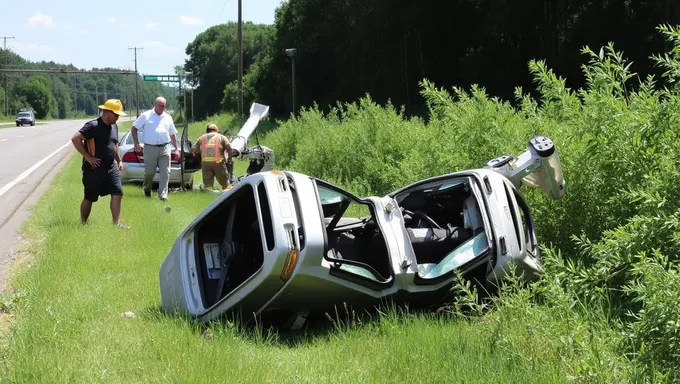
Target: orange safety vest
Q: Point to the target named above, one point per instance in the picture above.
(212, 149)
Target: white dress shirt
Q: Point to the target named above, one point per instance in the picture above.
(157, 128)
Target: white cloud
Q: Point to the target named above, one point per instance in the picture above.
(151, 26)
(41, 20)
(190, 20)
(112, 20)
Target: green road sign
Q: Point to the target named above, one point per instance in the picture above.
(163, 78)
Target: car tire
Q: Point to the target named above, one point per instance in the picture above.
(18, 124)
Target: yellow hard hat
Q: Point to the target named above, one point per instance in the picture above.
(115, 106)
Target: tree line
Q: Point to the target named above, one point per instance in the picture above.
(348, 49)
(70, 95)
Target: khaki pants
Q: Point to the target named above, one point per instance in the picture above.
(156, 157)
(213, 171)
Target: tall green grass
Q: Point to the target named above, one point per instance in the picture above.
(69, 326)
(610, 245)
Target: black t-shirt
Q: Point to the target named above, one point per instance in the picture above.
(105, 137)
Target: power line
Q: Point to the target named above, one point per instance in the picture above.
(68, 71)
(136, 79)
(4, 47)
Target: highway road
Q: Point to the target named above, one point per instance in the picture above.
(29, 159)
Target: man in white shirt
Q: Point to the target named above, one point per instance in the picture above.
(159, 131)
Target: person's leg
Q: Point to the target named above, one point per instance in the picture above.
(85, 209)
(150, 164)
(115, 189)
(222, 175)
(163, 171)
(230, 170)
(208, 176)
(90, 193)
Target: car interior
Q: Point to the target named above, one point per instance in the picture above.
(229, 247)
(354, 238)
(444, 225)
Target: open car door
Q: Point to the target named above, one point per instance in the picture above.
(189, 163)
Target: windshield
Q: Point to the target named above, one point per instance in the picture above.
(24, 114)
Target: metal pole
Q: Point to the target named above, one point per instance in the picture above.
(4, 46)
(179, 77)
(184, 93)
(136, 79)
(192, 103)
(240, 60)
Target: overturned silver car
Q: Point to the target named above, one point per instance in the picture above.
(284, 245)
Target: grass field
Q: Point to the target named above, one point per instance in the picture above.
(68, 324)
(604, 311)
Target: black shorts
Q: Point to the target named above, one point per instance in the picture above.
(101, 182)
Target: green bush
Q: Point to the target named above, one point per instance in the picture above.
(610, 245)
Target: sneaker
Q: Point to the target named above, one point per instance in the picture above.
(122, 226)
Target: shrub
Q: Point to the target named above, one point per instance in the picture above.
(610, 245)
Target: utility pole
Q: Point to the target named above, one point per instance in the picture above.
(4, 47)
(136, 78)
(239, 39)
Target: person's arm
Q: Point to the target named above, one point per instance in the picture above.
(139, 123)
(116, 152)
(173, 136)
(197, 145)
(227, 149)
(81, 136)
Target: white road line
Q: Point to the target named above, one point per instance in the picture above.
(27, 172)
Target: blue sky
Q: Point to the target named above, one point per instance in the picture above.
(91, 34)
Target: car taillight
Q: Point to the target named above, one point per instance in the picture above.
(173, 158)
(131, 157)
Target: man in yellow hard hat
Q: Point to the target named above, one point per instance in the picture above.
(101, 160)
(212, 146)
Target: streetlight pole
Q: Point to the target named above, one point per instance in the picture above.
(291, 53)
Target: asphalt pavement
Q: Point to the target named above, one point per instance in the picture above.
(29, 159)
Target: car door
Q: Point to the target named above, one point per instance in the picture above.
(445, 221)
(190, 163)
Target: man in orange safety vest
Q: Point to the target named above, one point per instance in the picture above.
(212, 146)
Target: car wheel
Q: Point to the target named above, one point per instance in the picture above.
(18, 124)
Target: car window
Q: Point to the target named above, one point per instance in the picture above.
(24, 114)
(329, 196)
(130, 140)
(334, 202)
